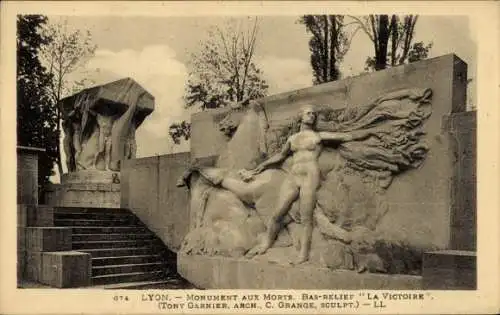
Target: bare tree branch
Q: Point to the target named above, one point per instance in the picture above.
(248, 51)
(362, 26)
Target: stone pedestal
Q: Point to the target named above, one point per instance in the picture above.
(91, 177)
(27, 174)
(44, 239)
(25, 217)
(88, 188)
(33, 268)
(38, 240)
(66, 269)
(85, 195)
(231, 273)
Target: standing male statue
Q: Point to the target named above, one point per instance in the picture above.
(100, 124)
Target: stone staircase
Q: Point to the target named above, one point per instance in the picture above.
(124, 253)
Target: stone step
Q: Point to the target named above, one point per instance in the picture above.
(128, 268)
(94, 223)
(59, 209)
(117, 252)
(109, 229)
(114, 244)
(111, 236)
(125, 260)
(94, 216)
(171, 283)
(129, 277)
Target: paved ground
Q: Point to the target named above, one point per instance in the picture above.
(24, 284)
(171, 284)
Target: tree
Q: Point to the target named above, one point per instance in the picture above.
(223, 72)
(392, 39)
(177, 131)
(36, 114)
(328, 45)
(66, 52)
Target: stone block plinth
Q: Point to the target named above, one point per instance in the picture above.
(44, 216)
(92, 195)
(449, 270)
(42, 239)
(26, 215)
(21, 239)
(231, 273)
(21, 264)
(68, 269)
(91, 177)
(33, 266)
(27, 174)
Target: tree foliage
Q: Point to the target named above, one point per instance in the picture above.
(178, 131)
(328, 45)
(392, 38)
(67, 51)
(36, 113)
(222, 72)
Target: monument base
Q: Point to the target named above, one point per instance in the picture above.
(449, 270)
(240, 273)
(91, 177)
(84, 195)
(88, 188)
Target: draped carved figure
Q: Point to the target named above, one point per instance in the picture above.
(312, 190)
(100, 124)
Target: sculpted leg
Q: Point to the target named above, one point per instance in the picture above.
(307, 205)
(241, 189)
(108, 153)
(119, 133)
(101, 147)
(328, 228)
(288, 194)
(76, 139)
(68, 147)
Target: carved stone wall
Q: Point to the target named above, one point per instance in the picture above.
(419, 201)
(394, 194)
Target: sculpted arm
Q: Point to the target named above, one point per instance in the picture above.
(279, 157)
(345, 136)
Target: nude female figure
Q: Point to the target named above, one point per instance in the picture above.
(304, 148)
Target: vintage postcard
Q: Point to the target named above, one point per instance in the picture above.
(249, 157)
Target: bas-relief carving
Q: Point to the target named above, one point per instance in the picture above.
(98, 137)
(315, 189)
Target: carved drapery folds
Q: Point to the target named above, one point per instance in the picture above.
(397, 119)
(351, 198)
(99, 124)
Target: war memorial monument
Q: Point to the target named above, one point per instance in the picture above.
(362, 183)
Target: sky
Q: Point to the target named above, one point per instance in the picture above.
(155, 51)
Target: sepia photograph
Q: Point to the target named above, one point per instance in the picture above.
(249, 161)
